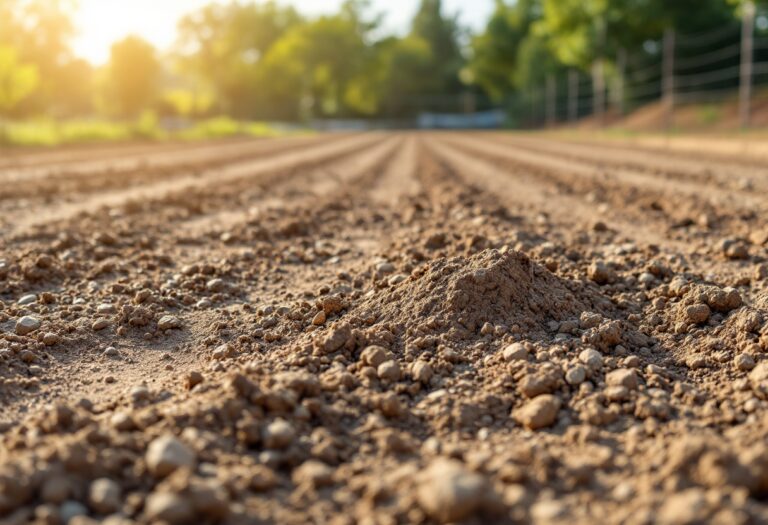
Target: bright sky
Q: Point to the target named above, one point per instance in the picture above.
(102, 22)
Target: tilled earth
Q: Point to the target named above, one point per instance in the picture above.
(384, 328)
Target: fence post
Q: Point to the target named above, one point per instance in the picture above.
(621, 66)
(745, 76)
(573, 95)
(668, 77)
(598, 86)
(551, 93)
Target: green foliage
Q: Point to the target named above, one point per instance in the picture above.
(224, 44)
(51, 132)
(133, 75)
(17, 80)
(40, 31)
(496, 52)
(441, 34)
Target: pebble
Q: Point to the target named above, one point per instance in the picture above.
(50, 339)
(758, 380)
(422, 372)
(71, 509)
(744, 362)
(601, 273)
(104, 496)
(314, 474)
(385, 267)
(168, 322)
(576, 375)
(539, 412)
(375, 355)
(389, 371)
(27, 324)
(448, 492)
(166, 454)
(279, 434)
(216, 285)
(168, 507)
(592, 358)
(697, 313)
(735, 249)
(27, 299)
(626, 377)
(515, 352)
(105, 309)
(111, 351)
(646, 279)
(319, 318)
(99, 324)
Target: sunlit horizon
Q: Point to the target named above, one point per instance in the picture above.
(100, 23)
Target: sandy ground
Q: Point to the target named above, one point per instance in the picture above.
(384, 328)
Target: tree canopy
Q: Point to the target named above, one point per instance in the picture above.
(263, 60)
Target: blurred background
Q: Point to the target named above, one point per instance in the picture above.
(96, 70)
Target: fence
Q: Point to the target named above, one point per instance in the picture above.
(675, 70)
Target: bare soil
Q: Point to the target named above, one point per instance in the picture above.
(384, 328)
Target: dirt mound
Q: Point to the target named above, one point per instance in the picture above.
(493, 292)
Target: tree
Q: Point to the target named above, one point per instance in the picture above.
(223, 46)
(40, 31)
(17, 80)
(578, 31)
(441, 35)
(496, 52)
(133, 76)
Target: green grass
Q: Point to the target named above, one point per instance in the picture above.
(49, 132)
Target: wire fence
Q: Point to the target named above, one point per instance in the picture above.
(728, 62)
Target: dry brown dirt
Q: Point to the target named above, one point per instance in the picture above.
(384, 328)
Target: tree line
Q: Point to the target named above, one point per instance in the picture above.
(265, 60)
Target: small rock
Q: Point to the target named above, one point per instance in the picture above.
(27, 324)
(166, 454)
(697, 313)
(540, 412)
(99, 324)
(626, 377)
(515, 352)
(27, 299)
(576, 375)
(168, 507)
(592, 358)
(601, 273)
(168, 322)
(193, 379)
(105, 309)
(335, 339)
(50, 339)
(279, 434)
(735, 249)
(319, 319)
(314, 474)
(375, 355)
(104, 496)
(389, 371)
(448, 492)
(744, 362)
(758, 380)
(70, 510)
(422, 372)
(216, 285)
